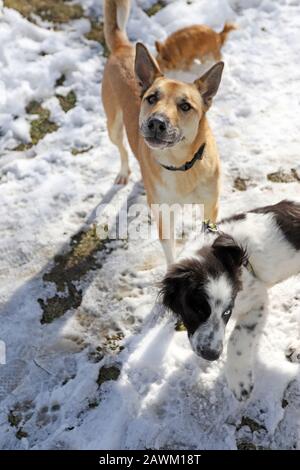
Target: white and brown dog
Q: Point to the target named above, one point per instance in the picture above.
(165, 122)
(230, 275)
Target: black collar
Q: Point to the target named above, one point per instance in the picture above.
(187, 165)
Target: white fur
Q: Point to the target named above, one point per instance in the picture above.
(123, 7)
(219, 291)
(210, 335)
(261, 236)
(273, 259)
(240, 352)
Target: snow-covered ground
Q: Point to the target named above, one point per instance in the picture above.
(164, 396)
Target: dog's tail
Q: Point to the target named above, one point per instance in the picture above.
(115, 19)
(227, 28)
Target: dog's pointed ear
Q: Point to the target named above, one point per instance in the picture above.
(229, 252)
(158, 46)
(209, 83)
(146, 67)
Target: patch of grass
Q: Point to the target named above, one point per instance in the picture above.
(19, 415)
(59, 12)
(42, 125)
(39, 127)
(112, 342)
(76, 151)
(34, 107)
(55, 11)
(21, 433)
(14, 418)
(55, 307)
(156, 7)
(282, 177)
(245, 445)
(240, 183)
(69, 268)
(180, 326)
(96, 33)
(22, 147)
(67, 102)
(81, 257)
(107, 373)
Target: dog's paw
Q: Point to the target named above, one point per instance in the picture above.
(292, 353)
(240, 384)
(122, 178)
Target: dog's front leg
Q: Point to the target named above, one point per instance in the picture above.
(169, 250)
(166, 227)
(240, 352)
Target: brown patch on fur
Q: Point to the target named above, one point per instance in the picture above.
(287, 216)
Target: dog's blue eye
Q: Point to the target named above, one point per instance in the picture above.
(152, 99)
(185, 107)
(227, 314)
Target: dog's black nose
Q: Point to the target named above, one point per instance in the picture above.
(210, 354)
(157, 126)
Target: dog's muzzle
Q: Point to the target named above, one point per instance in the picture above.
(159, 133)
(209, 354)
(205, 349)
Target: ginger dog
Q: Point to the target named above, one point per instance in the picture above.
(165, 122)
(182, 47)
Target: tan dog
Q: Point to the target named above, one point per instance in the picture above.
(165, 121)
(181, 48)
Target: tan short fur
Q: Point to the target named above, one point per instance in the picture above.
(130, 73)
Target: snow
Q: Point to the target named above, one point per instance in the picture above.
(165, 396)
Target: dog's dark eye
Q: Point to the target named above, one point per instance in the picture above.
(185, 107)
(152, 99)
(227, 314)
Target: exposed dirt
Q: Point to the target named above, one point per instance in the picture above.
(283, 177)
(155, 8)
(76, 151)
(67, 102)
(69, 267)
(108, 373)
(240, 183)
(96, 33)
(55, 11)
(40, 126)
